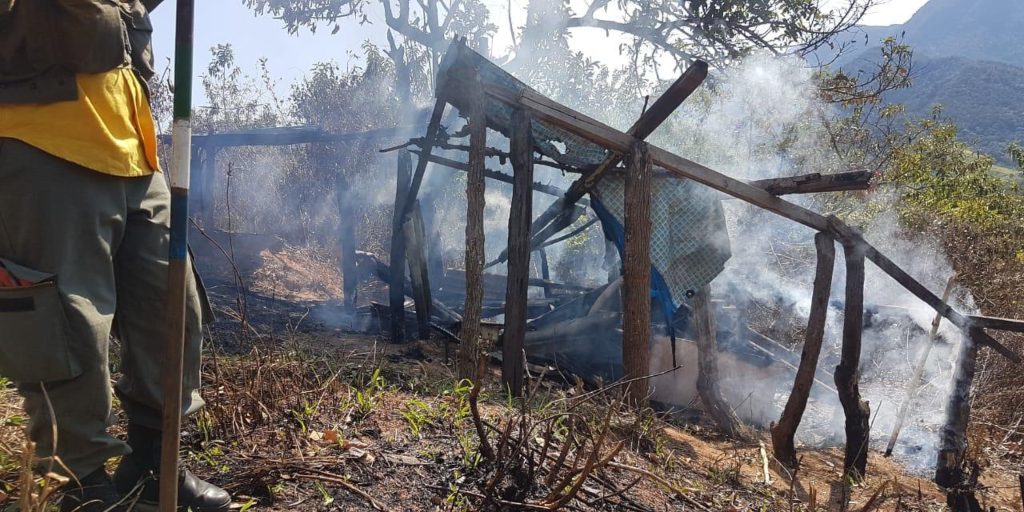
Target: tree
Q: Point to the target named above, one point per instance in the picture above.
(718, 31)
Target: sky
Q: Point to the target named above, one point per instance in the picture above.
(291, 56)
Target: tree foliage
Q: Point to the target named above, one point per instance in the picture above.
(718, 31)
(939, 179)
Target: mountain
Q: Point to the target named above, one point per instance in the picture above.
(989, 30)
(968, 57)
(986, 99)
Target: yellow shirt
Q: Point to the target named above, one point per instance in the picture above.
(109, 128)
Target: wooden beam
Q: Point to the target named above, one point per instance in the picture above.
(707, 365)
(470, 353)
(517, 283)
(636, 308)
(284, 136)
(1002, 324)
(816, 182)
(396, 284)
(847, 374)
(784, 432)
(416, 255)
(496, 175)
(983, 338)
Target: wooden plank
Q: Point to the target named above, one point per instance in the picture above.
(784, 432)
(470, 353)
(636, 310)
(816, 182)
(1002, 324)
(496, 175)
(707, 365)
(847, 374)
(520, 214)
(416, 255)
(396, 283)
(283, 136)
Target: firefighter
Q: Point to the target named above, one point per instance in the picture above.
(84, 230)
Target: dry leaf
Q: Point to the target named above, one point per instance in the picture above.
(330, 436)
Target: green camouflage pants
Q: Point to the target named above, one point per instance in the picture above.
(104, 240)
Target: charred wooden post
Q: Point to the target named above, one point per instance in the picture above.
(396, 284)
(953, 437)
(847, 374)
(707, 365)
(470, 355)
(784, 431)
(636, 308)
(521, 214)
(347, 242)
(415, 248)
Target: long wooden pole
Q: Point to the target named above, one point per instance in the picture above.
(517, 284)
(470, 356)
(922, 360)
(784, 432)
(181, 154)
(396, 284)
(416, 255)
(847, 374)
(636, 307)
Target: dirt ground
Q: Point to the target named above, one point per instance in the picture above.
(304, 414)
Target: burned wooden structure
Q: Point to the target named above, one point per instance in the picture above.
(490, 98)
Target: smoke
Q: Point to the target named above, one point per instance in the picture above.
(764, 120)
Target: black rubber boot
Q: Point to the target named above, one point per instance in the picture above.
(93, 493)
(137, 476)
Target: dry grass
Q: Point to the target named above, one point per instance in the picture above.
(324, 420)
